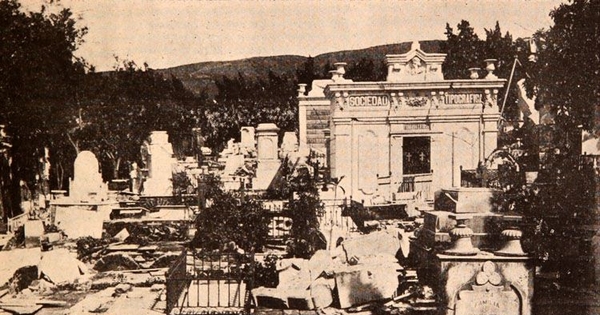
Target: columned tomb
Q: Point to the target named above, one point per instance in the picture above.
(408, 136)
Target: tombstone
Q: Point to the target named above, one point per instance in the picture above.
(268, 162)
(289, 144)
(230, 143)
(247, 138)
(87, 184)
(160, 162)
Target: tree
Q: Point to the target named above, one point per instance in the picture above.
(243, 102)
(119, 109)
(464, 51)
(565, 77)
(366, 70)
(230, 218)
(307, 74)
(305, 207)
(38, 81)
(566, 82)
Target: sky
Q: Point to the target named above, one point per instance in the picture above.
(167, 33)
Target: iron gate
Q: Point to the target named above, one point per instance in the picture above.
(216, 280)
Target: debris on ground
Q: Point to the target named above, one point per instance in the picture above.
(116, 261)
(59, 266)
(362, 270)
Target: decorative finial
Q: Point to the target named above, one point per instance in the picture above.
(415, 45)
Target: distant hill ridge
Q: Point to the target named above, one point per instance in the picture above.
(202, 76)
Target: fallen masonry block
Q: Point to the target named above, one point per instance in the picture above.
(123, 287)
(298, 298)
(320, 263)
(321, 292)
(165, 260)
(294, 272)
(381, 242)
(113, 262)
(365, 283)
(122, 235)
(268, 298)
(59, 266)
(53, 237)
(22, 310)
(28, 302)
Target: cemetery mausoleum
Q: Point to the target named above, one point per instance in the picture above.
(406, 137)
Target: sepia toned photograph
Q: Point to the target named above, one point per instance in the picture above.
(316, 157)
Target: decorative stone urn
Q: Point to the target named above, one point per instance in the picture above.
(340, 67)
(490, 67)
(512, 247)
(474, 73)
(461, 237)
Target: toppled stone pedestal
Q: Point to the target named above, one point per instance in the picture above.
(364, 270)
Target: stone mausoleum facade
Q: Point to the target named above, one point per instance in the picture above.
(406, 137)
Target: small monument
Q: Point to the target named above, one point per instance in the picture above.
(87, 184)
(268, 162)
(247, 138)
(160, 162)
(289, 145)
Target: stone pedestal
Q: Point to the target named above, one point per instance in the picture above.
(268, 161)
(484, 284)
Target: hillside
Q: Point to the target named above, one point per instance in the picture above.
(201, 76)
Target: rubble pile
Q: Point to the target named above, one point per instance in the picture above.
(361, 274)
(144, 231)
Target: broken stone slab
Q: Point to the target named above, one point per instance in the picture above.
(59, 266)
(54, 237)
(293, 272)
(22, 310)
(321, 292)
(122, 235)
(122, 247)
(123, 287)
(320, 263)
(380, 242)
(365, 283)
(405, 237)
(28, 301)
(269, 298)
(157, 287)
(148, 248)
(78, 223)
(165, 260)
(113, 262)
(299, 298)
(98, 302)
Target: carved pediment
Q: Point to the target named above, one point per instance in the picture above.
(415, 65)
